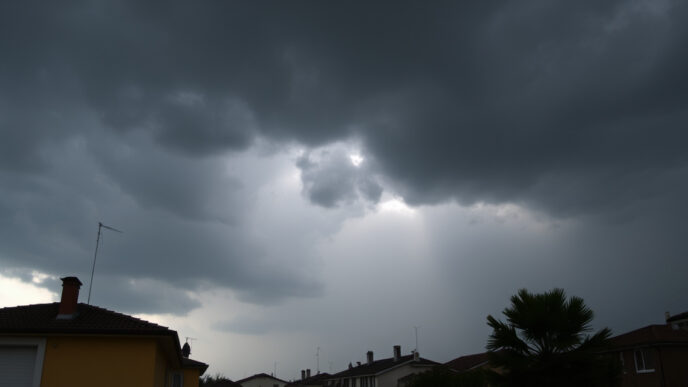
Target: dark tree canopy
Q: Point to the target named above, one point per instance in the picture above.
(545, 342)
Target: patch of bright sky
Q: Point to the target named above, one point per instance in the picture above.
(14, 291)
(356, 159)
(395, 205)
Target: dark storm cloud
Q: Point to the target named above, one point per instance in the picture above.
(124, 109)
(332, 178)
(489, 102)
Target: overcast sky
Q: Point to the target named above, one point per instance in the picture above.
(295, 175)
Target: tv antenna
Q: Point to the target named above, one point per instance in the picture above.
(415, 328)
(190, 338)
(95, 255)
(317, 361)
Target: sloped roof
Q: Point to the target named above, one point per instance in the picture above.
(221, 383)
(676, 317)
(89, 319)
(464, 363)
(190, 363)
(379, 366)
(261, 375)
(651, 335)
(313, 380)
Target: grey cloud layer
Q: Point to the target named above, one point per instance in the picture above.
(330, 178)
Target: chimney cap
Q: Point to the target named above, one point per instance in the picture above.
(71, 280)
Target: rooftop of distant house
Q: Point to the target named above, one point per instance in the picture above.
(382, 365)
(311, 380)
(651, 335)
(261, 375)
(467, 362)
(677, 317)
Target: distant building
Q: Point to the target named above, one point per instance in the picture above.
(655, 355)
(262, 380)
(71, 344)
(468, 362)
(381, 373)
(220, 383)
(317, 380)
(678, 321)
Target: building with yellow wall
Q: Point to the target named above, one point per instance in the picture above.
(72, 344)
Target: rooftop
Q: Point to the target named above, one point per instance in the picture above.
(313, 380)
(467, 362)
(89, 319)
(381, 365)
(261, 375)
(677, 317)
(649, 335)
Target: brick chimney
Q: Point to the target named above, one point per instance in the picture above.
(397, 352)
(303, 374)
(70, 297)
(370, 357)
(308, 373)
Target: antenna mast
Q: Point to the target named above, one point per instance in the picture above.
(317, 361)
(95, 255)
(416, 330)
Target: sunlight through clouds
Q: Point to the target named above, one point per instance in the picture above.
(396, 206)
(356, 159)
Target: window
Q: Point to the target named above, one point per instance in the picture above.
(21, 361)
(644, 362)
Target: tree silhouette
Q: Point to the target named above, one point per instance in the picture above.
(544, 343)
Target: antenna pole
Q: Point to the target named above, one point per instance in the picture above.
(93, 268)
(317, 361)
(95, 255)
(416, 330)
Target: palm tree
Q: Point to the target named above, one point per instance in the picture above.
(544, 342)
